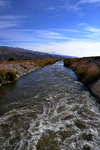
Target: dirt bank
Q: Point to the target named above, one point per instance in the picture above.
(88, 71)
(12, 70)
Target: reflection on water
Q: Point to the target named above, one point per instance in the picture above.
(48, 110)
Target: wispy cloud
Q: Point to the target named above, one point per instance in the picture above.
(90, 32)
(6, 24)
(92, 29)
(93, 33)
(89, 1)
(68, 30)
(5, 4)
(74, 7)
(72, 48)
(78, 5)
(84, 32)
(51, 8)
(7, 17)
(18, 35)
(82, 24)
(43, 40)
(9, 21)
(52, 35)
(31, 35)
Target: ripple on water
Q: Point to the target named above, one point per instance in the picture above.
(61, 117)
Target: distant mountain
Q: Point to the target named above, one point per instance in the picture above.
(64, 56)
(53, 52)
(19, 53)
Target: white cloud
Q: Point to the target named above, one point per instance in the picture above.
(6, 24)
(8, 17)
(90, 32)
(27, 35)
(89, 1)
(18, 35)
(68, 30)
(5, 4)
(7, 21)
(83, 24)
(74, 7)
(78, 5)
(51, 8)
(2, 3)
(84, 44)
(52, 35)
(72, 48)
(91, 29)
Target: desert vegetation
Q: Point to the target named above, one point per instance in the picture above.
(12, 69)
(45, 62)
(7, 76)
(87, 69)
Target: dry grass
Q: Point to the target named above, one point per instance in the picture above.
(87, 69)
(45, 62)
(7, 76)
(10, 69)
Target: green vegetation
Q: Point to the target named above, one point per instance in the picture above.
(45, 62)
(12, 59)
(92, 76)
(67, 62)
(10, 76)
(2, 76)
(88, 77)
(82, 72)
(87, 70)
(7, 76)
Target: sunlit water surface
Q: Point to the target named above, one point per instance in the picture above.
(48, 110)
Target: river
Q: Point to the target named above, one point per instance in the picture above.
(48, 109)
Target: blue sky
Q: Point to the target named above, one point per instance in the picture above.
(70, 27)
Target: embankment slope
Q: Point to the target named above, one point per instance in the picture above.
(12, 70)
(88, 71)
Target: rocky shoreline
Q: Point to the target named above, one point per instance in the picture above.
(22, 67)
(88, 71)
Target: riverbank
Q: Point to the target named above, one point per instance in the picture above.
(12, 70)
(49, 110)
(88, 71)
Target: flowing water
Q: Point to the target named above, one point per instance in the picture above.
(48, 110)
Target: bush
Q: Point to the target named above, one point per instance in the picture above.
(2, 76)
(10, 76)
(12, 59)
(82, 72)
(88, 77)
(67, 62)
(7, 76)
(92, 76)
(45, 62)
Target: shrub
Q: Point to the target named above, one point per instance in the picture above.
(2, 76)
(88, 77)
(10, 76)
(12, 59)
(67, 62)
(92, 76)
(82, 72)
(45, 62)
